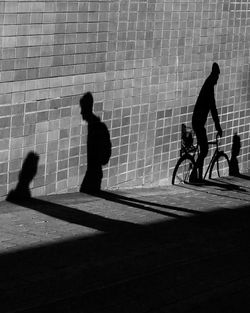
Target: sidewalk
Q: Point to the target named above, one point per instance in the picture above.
(166, 249)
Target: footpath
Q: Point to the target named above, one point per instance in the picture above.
(168, 249)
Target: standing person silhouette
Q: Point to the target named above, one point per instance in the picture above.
(98, 146)
(205, 103)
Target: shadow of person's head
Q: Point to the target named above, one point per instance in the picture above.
(25, 177)
(215, 73)
(86, 105)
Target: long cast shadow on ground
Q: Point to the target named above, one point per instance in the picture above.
(220, 186)
(125, 256)
(79, 217)
(144, 205)
(75, 216)
(224, 185)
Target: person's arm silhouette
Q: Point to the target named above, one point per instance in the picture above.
(215, 117)
(214, 78)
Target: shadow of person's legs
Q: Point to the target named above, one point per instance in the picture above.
(92, 180)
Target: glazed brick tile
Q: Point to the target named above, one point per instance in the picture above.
(29, 129)
(4, 144)
(40, 149)
(3, 167)
(5, 122)
(5, 110)
(13, 177)
(5, 133)
(74, 161)
(74, 151)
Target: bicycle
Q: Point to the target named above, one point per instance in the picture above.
(217, 167)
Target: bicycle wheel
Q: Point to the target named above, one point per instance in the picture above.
(182, 170)
(220, 166)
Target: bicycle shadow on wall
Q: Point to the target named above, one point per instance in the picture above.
(218, 167)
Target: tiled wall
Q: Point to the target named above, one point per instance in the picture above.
(144, 61)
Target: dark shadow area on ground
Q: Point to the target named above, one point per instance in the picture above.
(222, 184)
(75, 216)
(129, 267)
(159, 264)
(242, 176)
(237, 182)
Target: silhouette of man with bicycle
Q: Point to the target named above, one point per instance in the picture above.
(205, 103)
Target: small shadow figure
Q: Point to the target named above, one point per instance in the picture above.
(233, 164)
(26, 175)
(205, 103)
(98, 146)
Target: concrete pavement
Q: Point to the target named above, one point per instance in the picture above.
(167, 249)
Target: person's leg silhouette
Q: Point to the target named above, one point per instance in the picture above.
(197, 173)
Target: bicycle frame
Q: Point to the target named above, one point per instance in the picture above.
(189, 153)
(212, 143)
(194, 152)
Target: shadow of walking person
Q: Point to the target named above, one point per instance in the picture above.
(26, 175)
(98, 146)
